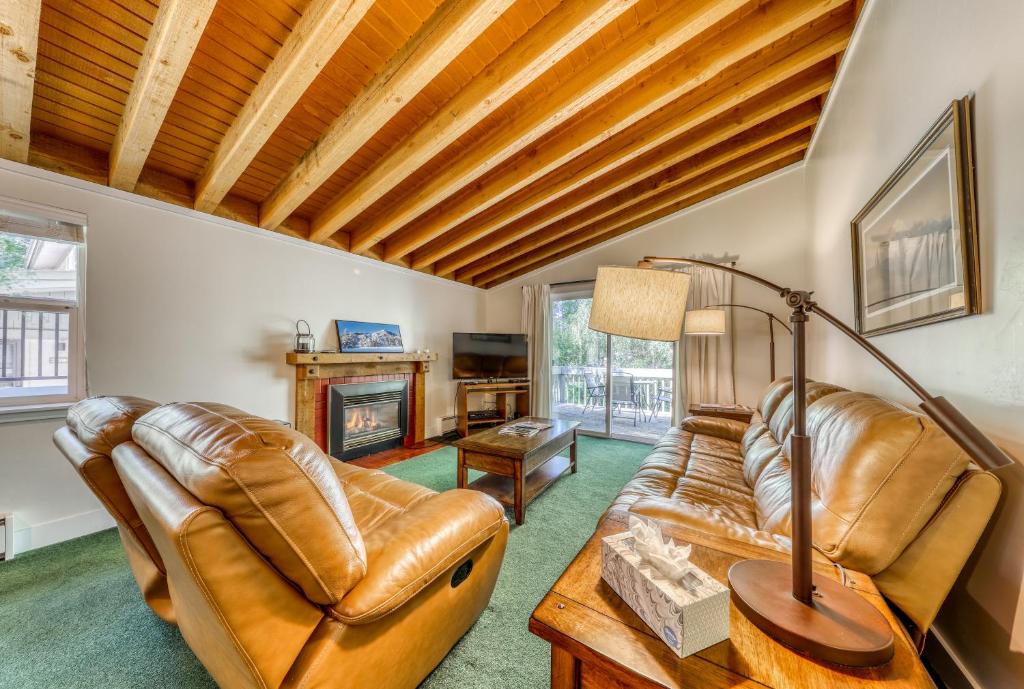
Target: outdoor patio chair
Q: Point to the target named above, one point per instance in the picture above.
(662, 396)
(625, 395)
(595, 392)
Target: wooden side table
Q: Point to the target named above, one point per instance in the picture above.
(597, 641)
(737, 412)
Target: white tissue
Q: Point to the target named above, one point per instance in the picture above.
(667, 558)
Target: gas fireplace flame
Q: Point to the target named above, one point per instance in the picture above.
(363, 420)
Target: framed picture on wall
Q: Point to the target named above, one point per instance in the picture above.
(915, 243)
(359, 337)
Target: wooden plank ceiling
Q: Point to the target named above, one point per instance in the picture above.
(476, 140)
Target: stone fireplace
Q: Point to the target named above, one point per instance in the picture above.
(363, 418)
(379, 400)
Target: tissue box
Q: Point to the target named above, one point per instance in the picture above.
(687, 618)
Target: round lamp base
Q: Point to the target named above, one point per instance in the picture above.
(839, 627)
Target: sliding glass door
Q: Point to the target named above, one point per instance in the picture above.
(641, 387)
(579, 365)
(614, 386)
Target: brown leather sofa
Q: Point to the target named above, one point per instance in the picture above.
(892, 495)
(286, 568)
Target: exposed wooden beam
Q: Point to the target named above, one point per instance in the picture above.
(19, 38)
(650, 205)
(560, 32)
(674, 26)
(755, 33)
(451, 28)
(648, 179)
(748, 95)
(56, 155)
(764, 110)
(173, 39)
(319, 33)
(636, 224)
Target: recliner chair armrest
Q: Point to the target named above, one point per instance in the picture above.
(726, 429)
(408, 552)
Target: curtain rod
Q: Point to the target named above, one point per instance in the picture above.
(724, 260)
(570, 282)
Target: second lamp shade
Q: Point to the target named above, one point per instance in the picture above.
(704, 322)
(639, 302)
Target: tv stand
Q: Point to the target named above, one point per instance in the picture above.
(520, 391)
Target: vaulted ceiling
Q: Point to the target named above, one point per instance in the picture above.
(476, 140)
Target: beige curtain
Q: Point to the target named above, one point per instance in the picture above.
(704, 363)
(537, 327)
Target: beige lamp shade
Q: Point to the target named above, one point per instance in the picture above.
(705, 322)
(639, 302)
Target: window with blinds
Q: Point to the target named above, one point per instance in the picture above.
(42, 343)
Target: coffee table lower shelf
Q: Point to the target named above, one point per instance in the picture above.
(503, 488)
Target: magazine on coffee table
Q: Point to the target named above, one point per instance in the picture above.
(524, 429)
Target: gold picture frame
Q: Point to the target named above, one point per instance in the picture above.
(915, 243)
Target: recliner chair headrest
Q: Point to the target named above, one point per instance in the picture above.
(102, 423)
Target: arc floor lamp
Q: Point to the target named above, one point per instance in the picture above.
(710, 320)
(814, 615)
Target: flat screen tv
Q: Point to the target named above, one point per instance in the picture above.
(488, 355)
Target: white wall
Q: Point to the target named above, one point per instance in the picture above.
(762, 223)
(184, 307)
(911, 58)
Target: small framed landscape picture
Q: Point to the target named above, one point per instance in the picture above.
(915, 244)
(357, 336)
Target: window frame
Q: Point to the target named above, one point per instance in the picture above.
(77, 375)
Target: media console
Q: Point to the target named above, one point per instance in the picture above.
(519, 391)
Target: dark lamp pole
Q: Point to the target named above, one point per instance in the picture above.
(772, 319)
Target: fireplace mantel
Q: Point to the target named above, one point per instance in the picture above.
(298, 359)
(314, 370)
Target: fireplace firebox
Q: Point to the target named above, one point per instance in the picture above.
(364, 418)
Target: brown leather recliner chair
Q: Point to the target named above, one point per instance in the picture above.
(287, 569)
(892, 495)
(94, 428)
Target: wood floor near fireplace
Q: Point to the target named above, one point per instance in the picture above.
(380, 460)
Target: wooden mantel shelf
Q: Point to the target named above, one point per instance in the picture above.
(302, 359)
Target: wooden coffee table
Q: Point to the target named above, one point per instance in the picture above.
(518, 469)
(597, 641)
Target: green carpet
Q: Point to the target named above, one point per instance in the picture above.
(71, 615)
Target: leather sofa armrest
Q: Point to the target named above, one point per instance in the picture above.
(726, 429)
(409, 551)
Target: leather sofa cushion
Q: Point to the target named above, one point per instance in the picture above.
(780, 423)
(693, 468)
(879, 471)
(103, 423)
(273, 483)
(771, 399)
(660, 471)
(729, 429)
(766, 464)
